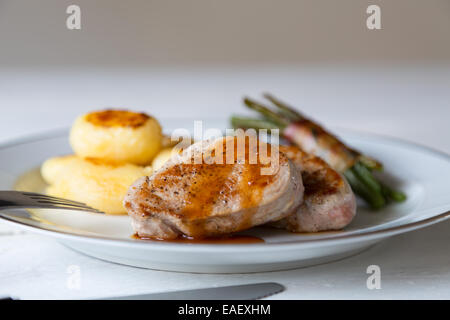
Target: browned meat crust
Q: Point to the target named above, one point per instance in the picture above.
(329, 203)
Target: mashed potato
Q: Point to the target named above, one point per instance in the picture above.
(101, 184)
(162, 157)
(117, 135)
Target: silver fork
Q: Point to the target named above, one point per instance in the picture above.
(30, 200)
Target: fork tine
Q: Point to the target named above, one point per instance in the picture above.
(55, 202)
(54, 205)
(38, 196)
(59, 200)
(85, 209)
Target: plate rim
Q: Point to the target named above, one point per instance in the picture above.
(367, 236)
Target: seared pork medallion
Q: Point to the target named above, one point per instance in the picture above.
(188, 198)
(328, 203)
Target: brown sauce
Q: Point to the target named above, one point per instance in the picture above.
(117, 118)
(206, 186)
(232, 239)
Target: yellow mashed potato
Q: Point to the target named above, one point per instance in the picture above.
(101, 184)
(162, 157)
(117, 135)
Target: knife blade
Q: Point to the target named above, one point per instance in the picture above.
(251, 291)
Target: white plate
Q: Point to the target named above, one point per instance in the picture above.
(422, 173)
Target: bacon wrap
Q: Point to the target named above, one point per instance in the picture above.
(315, 140)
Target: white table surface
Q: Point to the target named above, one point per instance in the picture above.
(408, 102)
